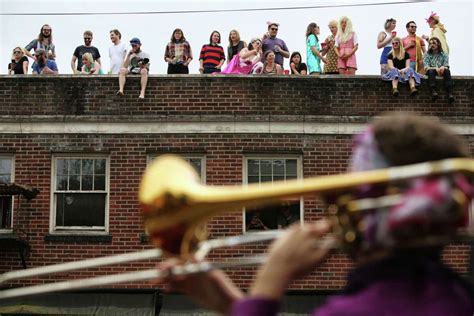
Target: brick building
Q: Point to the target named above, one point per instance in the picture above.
(85, 149)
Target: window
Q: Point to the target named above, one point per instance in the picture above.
(258, 170)
(196, 161)
(80, 193)
(6, 201)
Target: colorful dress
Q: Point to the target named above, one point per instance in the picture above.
(439, 32)
(347, 47)
(331, 57)
(314, 62)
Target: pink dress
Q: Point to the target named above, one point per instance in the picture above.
(347, 47)
(237, 66)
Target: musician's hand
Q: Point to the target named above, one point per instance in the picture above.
(212, 290)
(292, 256)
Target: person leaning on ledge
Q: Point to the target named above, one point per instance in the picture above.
(43, 65)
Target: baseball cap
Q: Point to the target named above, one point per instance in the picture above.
(135, 40)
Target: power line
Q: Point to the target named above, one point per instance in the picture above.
(217, 10)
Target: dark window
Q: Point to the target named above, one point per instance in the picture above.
(80, 195)
(269, 170)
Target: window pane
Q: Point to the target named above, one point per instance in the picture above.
(278, 167)
(87, 166)
(99, 183)
(5, 166)
(266, 167)
(253, 179)
(253, 167)
(99, 166)
(61, 183)
(278, 178)
(86, 183)
(5, 178)
(291, 168)
(266, 179)
(61, 166)
(74, 183)
(74, 166)
(6, 212)
(79, 209)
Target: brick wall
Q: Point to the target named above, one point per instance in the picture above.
(76, 100)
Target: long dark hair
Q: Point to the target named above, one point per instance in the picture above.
(440, 48)
(41, 36)
(310, 30)
(173, 40)
(293, 55)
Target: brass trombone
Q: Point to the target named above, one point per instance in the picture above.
(175, 205)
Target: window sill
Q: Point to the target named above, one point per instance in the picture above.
(75, 238)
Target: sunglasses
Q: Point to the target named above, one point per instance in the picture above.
(87, 39)
(413, 26)
(393, 43)
(17, 52)
(274, 29)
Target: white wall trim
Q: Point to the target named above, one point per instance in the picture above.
(195, 128)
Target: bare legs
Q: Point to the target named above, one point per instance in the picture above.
(143, 81)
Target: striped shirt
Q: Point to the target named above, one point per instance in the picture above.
(211, 55)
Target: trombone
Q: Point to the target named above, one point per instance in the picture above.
(175, 205)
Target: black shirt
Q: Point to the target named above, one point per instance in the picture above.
(18, 66)
(300, 67)
(397, 63)
(81, 50)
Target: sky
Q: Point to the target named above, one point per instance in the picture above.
(21, 20)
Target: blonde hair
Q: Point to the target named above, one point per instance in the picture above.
(332, 22)
(21, 49)
(401, 49)
(88, 57)
(345, 35)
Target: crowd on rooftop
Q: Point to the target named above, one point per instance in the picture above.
(403, 59)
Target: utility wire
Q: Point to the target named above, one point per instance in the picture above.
(218, 10)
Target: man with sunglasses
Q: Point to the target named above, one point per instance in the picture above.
(81, 50)
(277, 45)
(415, 47)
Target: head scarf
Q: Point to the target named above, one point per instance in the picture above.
(435, 205)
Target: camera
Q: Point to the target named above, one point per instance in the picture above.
(144, 61)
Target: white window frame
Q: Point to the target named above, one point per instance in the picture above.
(82, 230)
(186, 157)
(12, 180)
(299, 176)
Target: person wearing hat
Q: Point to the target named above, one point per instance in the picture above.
(136, 62)
(43, 65)
(399, 268)
(437, 30)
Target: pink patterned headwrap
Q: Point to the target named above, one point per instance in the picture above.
(435, 205)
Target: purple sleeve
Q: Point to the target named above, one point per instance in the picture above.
(255, 307)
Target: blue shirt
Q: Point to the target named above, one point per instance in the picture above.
(50, 63)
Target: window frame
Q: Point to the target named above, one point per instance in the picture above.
(299, 176)
(12, 180)
(81, 230)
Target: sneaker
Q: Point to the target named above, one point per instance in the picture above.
(395, 92)
(413, 91)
